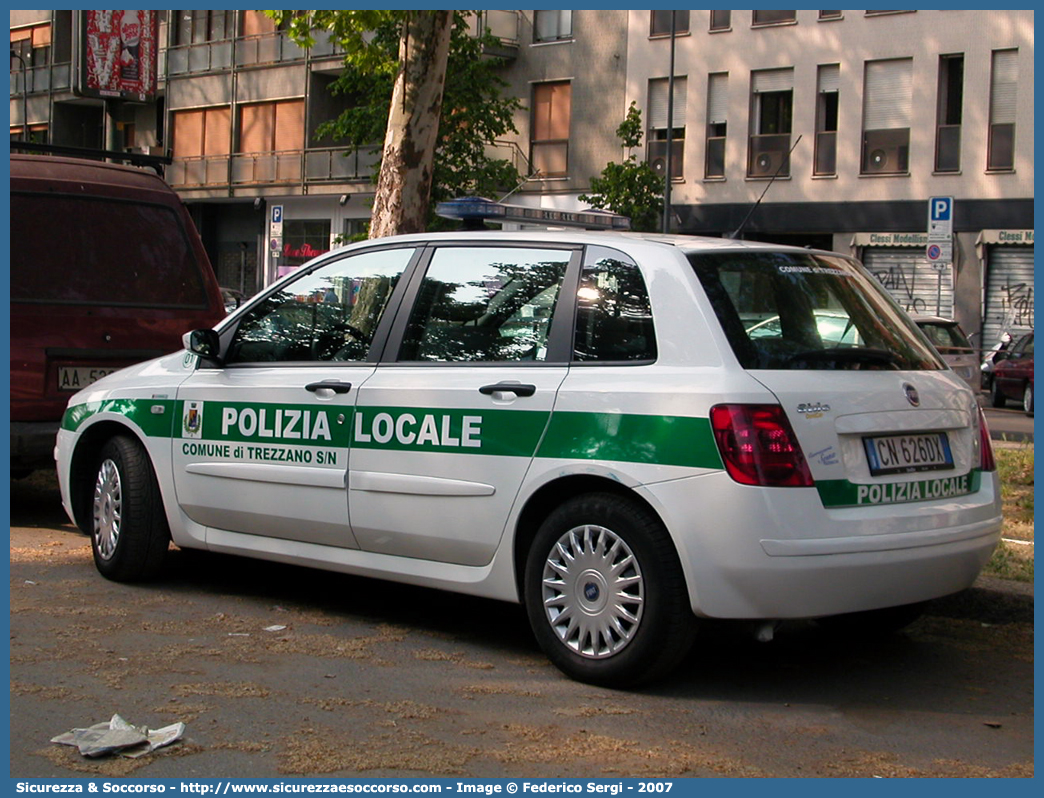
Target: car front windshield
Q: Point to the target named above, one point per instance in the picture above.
(796, 310)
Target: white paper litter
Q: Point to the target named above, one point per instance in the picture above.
(117, 736)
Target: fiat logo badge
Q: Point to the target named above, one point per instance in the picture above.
(912, 396)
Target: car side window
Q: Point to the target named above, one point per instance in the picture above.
(485, 304)
(330, 314)
(614, 315)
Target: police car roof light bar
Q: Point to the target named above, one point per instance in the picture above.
(474, 211)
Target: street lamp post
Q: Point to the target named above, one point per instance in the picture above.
(25, 94)
(670, 133)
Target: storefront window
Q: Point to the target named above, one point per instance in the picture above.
(303, 239)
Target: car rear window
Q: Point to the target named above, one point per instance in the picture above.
(783, 310)
(92, 251)
(949, 339)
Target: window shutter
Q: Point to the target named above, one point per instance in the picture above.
(658, 103)
(256, 123)
(771, 80)
(217, 129)
(188, 134)
(889, 94)
(289, 126)
(1003, 86)
(42, 36)
(718, 98)
(829, 78)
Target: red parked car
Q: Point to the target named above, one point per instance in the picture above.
(107, 270)
(1013, 376)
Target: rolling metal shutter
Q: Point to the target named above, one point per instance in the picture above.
(917, 285)
(1009, 293)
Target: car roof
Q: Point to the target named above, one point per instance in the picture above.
(39, 172)
(684, 243)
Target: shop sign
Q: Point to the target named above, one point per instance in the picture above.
(1006, 237)
(890, 240)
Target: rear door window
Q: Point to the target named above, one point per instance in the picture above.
(784, 310)
(486, 304)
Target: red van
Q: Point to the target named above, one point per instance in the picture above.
(107, 270)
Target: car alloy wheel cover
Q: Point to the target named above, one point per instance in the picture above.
(593, 591)
(108, 509)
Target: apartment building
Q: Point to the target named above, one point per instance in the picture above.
(842, 123)
(856, 118)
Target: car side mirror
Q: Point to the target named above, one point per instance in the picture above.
(206, 344)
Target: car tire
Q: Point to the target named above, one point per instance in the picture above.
(874, 623)
(997, 398)
(129, 531)
(1027, 399)
(605, 593)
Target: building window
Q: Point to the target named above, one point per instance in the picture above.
(830, 14)
(32, 44)
(774, 17)
(202, 132)
(717, 114)
(887, 108)
(549, 142)
(720, 20)
(1004, 78)
(772, 98)
(553, 26)
(199, 26)
(948, 113)
(828, 81)
(255, 23)
(660, 24)
(303, 239)
(659, 126)
(271, 127)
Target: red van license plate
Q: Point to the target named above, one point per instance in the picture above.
(73, 378)
(899, 454)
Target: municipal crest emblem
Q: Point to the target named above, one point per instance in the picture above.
(192, 422)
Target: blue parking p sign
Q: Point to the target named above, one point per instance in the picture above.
(940, 218)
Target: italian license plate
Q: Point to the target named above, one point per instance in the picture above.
(902, 454)
(73, 378)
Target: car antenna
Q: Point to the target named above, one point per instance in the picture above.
(736, 233)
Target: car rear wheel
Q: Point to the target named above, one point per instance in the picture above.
(605, 592)
(1027, 399)
(997, 398)
(129, 532)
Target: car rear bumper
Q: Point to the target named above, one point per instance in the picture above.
(749, 558)
(32, 444)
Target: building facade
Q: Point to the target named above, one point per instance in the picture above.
(829, 129)
(856, 119)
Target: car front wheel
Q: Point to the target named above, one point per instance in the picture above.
(1027, 399)
(605, 592)
(129, 532)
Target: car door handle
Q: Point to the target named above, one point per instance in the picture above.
(517, 388)
(329, 385)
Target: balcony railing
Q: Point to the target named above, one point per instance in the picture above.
(273, 168)
(269, 48)
(42, 79)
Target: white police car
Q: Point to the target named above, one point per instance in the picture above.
(579, 421)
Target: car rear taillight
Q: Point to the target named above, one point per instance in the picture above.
(986, 459)
(759, 447)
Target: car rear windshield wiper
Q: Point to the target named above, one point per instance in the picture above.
(847, 357)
